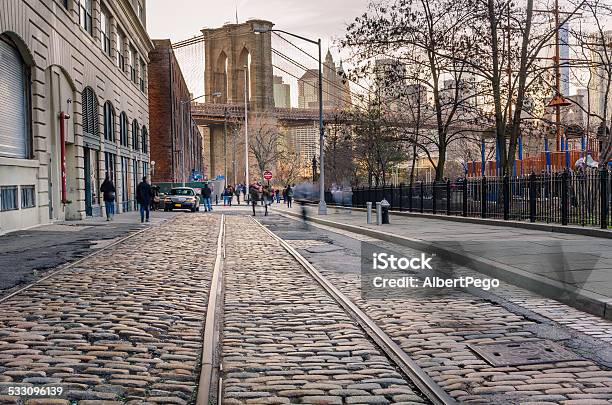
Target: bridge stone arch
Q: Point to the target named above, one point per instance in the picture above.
(242, 46)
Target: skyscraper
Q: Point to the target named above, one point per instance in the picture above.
(282, 93)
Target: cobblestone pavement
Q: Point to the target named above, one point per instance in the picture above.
(436, 329)
(286, 341)
(26, 255)
(125, 326)
(556, 311)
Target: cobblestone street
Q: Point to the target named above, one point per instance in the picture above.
(122, 327)
(126, 326)
(286, 341)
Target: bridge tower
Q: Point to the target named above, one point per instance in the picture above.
(229, 51)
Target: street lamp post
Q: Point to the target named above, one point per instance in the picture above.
(322, 205)
(246, 130)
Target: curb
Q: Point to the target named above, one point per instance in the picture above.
(587, 301)
(534, 226)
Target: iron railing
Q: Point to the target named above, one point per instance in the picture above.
(567, 198)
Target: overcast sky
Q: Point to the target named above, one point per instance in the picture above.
(182, 19)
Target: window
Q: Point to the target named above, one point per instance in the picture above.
(132, 62)
(109, 165)
(140, 12)
(109, 122)
(145, 135)
(123, 129)
(85, 13)
(105, 26)
(8, 198)
(135, 132)
(27, 197)
(90, 113)
(143, 68)
(14, 103)
(120, 38)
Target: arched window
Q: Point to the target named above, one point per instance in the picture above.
(135, 132)
(15, 139)
(123, 129)
(90, 113)
(145, 140)
(109, 122)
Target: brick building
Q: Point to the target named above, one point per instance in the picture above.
(176, 141)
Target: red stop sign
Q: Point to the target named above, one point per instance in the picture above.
(267, 175)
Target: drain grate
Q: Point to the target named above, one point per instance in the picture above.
(521, 353)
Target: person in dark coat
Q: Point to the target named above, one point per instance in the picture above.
(108, 194)
(254, 191)
(143, 198)
(206, 193)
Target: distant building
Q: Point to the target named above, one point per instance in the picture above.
(599, 80)
(564, 55)
(336, 89)
(176, 142)
(304, 141)
(72, 72)
(391, 86)
(282, 93)
(336, 94)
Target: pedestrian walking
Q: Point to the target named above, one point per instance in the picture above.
(289, 196)
(230, 195)
(143, 198)
(108, 194)
(224, 195)
(237, 192)
(278, 196)
(206, 193)
(254, 191)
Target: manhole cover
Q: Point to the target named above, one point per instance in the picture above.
(521, 353)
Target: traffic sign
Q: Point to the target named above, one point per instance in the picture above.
(267, 175)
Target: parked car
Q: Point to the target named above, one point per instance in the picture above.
(182, 198)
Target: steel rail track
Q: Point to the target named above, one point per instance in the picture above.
(207, 388)
(409, 367)
(70, 265)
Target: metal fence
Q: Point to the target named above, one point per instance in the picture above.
(567, 198)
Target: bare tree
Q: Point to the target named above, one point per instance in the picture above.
(265, 141)
(596, 49)
(424, 35)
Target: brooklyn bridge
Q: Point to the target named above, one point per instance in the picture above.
(239, 62)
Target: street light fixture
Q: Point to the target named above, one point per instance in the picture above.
(215, 95)
(322, 205)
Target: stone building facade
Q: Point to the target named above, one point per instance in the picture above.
(176, 141)
(77, 73)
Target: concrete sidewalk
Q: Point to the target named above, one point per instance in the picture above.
(25, 255)
(574, 269)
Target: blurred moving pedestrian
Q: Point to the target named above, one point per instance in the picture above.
(108, 191)
(143, 198)
(206, 193)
